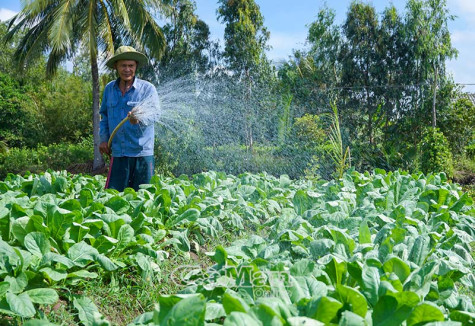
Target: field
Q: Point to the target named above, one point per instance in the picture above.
(381, 248)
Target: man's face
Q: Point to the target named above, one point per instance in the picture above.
(126, 69)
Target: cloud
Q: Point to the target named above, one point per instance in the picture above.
(463, 36)
(464, 9)
(6, 14)
(467, 5)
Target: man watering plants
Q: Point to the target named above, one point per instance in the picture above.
(131, 150)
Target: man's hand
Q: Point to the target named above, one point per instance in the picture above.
(104, 148)
(133, 120)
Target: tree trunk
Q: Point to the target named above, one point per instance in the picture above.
(370, 117)
(250, 115)
(98, 160)
(434, 115)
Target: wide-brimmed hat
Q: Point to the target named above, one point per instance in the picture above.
(127, 53)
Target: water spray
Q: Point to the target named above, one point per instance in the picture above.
(147, 112)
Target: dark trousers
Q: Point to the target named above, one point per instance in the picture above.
(129, 172)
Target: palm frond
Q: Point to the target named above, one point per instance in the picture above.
(32, 44)
(120, 8)
(54, 59)
(91, 25)
(105, 30)
(144, 30)
(61, 29)
(36, 8)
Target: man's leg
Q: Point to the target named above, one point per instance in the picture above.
(142, 171)
(118, 174)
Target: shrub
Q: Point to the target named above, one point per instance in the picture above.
(470, 148)
(55, 157)
(434, 153)
(307, 147)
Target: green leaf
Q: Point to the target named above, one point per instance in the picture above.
(237, 318)
(397, 266)
(214, 310)
(60, 184)
(183, 243)
(86, 310)
(125, 236)
(301, 287)
(58, 221)
(77, 232)
(160, 235)
(323, 309)
(114, 222)
(266, 314)
(38, 322)
(190, 215)
(353, 298)
(21, 305)
(17, 211)
(280, 308)
(4, 286)
(105, 262)
(467, 318)
(302, 267)
(82, 254)
(302, 202)
(53, 257)
(393, 310)
(86, 197)
(71, 205)
(189, 311)
(55, 275)
(365, 234)
(425, 312)
(104, 244)
(220, 255)
(371, 281)
(118, 204)
(82, 274)
(303, 321)
(17, 284)
(37, 243)
(233, 302)
(420, 280)
(336, 271)
(465, 200)
(420, 250)
(349, 318)
(43, 296)
(19, 226)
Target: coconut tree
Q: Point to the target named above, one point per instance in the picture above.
(58, 27)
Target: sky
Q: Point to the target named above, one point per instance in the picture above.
(288, 23)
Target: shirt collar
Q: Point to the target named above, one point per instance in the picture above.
(134, 84)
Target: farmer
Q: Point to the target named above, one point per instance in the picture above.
(131, 150)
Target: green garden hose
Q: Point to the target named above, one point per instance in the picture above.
(109, 143)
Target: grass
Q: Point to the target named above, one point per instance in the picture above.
(124, 295)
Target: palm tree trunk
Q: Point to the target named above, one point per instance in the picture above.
(98, 160)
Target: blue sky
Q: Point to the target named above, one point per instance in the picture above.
(288, 23)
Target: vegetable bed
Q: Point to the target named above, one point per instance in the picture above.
(370, 249)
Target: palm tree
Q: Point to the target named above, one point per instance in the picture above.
(59, 27)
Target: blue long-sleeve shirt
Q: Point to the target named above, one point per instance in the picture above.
(131, 140)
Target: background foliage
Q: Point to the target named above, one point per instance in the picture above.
(381, 71)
